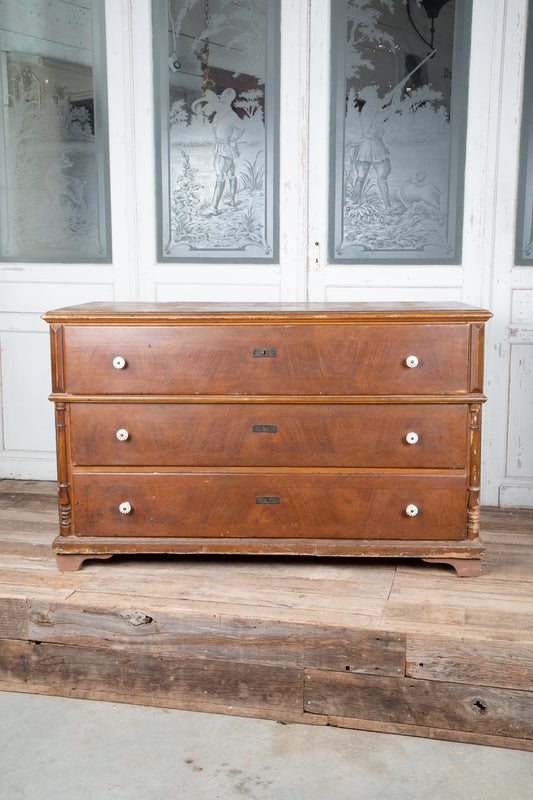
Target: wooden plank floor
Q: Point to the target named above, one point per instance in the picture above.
(397, 646)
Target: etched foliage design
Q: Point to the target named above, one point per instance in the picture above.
(53, 204)
(218, 146)
(396, 188)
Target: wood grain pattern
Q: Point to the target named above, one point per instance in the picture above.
(206, 504)
(311, 359)
(57, 353)
(483, 663)
(436, 704)
(152, 629)
(477, 344)
(145, 313)
(201, 434)
(14, 618)
(168, 678)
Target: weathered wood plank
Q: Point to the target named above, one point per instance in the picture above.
(29, 573)
(13, 617)
(41, 592)
(160, 679)
(8, 485)
(15, 518)
(493, 604)
(260, 587)
(179, 605)
(218, 636)
(435, 704)
(371, 577)
(15, 663)
(519, 520)
(19, 547)
(414, 627)
(428, 733)
(508, 560)
(484, 662)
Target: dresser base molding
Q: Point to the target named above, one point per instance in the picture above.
(465, 557)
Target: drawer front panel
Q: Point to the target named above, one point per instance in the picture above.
(308, 359)
(338, 505)
(260, 434)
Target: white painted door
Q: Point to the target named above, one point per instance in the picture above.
(486, 275)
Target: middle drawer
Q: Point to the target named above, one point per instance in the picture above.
(273, 434)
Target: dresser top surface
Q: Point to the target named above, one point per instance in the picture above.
(168, 313)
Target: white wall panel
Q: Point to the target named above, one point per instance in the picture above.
(39, 297)
(213, 293)
(28, 418)
(522, 305)
(520, 439)
(362, 294)
(400, 276)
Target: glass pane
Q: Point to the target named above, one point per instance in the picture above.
(217, 87)
(524, 228)
(399, 103)
(53, 118)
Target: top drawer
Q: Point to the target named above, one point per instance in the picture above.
(291, 359)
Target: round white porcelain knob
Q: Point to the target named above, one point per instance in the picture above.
(411, 438)
(123, 434)
(411, 510)
(125, 508)
(411, 362)
(119, 362)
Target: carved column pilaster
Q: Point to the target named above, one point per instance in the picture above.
(63, 484)
(473, 506)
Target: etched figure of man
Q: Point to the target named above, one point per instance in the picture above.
(371, 151)
(227, 130)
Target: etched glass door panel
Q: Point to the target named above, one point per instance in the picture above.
(53, 118)
(399, 105)
(217, 87)
(524, 227)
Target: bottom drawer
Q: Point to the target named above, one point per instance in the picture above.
(271, 505)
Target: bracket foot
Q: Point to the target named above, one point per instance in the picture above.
(465, 567)
(71, 563)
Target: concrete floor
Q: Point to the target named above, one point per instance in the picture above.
(53, 748)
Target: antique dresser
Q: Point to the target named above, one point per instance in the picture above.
(305, 429)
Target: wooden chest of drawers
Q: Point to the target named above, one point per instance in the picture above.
(313, 429)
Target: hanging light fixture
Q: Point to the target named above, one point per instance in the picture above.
(432, 9)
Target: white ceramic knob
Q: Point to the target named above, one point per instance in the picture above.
(411, 362)
(411, 510)
(125, 508)
(119, 362)
(411, 438)
(123, 434)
